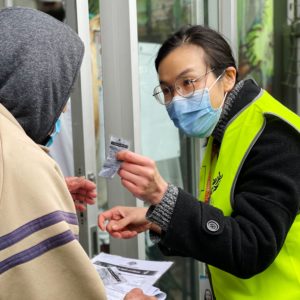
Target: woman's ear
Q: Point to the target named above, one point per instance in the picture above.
(229, 79)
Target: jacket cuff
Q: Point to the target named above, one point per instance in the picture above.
(154, 237)
(161, 213)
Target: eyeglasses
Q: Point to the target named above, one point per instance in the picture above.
(184, 86)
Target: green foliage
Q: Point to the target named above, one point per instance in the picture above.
(94, 7)
(256, 53)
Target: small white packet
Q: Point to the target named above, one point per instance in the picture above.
(111, 165)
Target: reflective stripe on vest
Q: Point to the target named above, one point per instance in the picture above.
(281, 280)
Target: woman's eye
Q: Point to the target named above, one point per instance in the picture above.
(165, 90)
(187, 82)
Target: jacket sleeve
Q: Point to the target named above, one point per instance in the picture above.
(266, 201)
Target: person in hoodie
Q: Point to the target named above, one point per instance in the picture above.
(40, 256)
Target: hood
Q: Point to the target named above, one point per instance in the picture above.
(40, 58)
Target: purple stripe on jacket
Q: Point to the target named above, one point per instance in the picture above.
(36, 225)
(37, 250)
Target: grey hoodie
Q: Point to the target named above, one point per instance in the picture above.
(39, 60)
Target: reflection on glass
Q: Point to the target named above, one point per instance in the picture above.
(24, 3)
(98, 101)
(160, 139)
(255, 32)
(157, 19)
(95, 48)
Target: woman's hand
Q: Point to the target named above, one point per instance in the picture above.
(124, 222)
(137, 294)
(83, 191)
(139, 175)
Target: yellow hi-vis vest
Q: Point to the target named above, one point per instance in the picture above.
(281, 280)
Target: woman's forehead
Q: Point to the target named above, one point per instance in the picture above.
(182, 60)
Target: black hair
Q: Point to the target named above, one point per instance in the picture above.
(218, 54)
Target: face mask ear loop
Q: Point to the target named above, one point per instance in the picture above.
(216, 80)
(222, 103)
(223, 100)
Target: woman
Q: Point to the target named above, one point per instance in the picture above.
(246, 226)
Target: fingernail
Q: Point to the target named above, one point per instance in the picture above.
(114, 227)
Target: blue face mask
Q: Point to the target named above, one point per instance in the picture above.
(56, 130)
(194, 115)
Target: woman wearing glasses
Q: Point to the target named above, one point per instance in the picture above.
(246, 225)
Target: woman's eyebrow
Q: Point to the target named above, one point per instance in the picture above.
(184, 72)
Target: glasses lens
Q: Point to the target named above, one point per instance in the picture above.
(162, 94)
(185, 87)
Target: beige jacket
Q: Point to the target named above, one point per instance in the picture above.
(40, 256)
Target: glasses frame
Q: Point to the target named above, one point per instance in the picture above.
(160, 99)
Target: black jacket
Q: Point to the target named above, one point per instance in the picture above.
(266, 201)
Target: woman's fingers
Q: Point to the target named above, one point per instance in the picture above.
(118, 225)
(144, 171)
(140, 176)
(132, 188)
(133, 178)
(124, 234)
(134, 158)
(103, 217)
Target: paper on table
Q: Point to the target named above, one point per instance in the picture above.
(130, 273)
